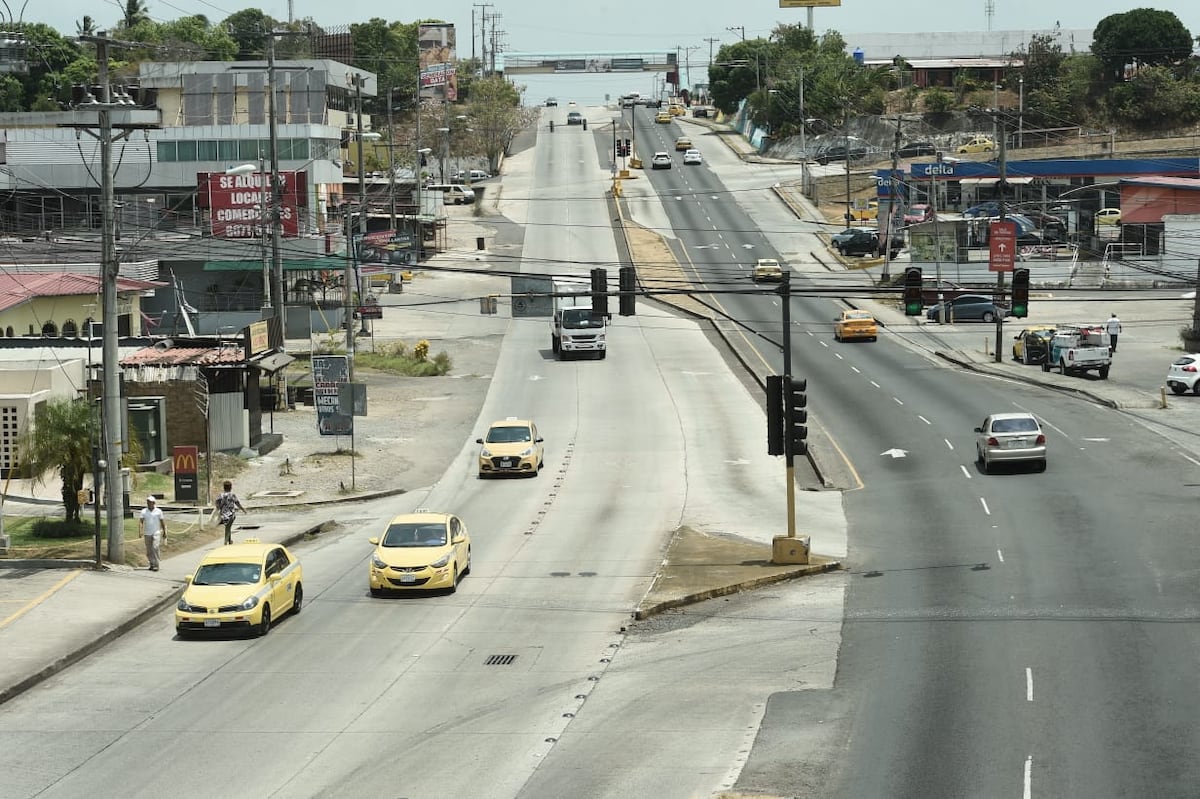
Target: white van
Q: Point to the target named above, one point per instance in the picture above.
(453, 194)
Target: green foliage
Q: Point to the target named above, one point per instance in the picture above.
(1141, 37)
(60, 438)
(249, 28)
(62, 528)
(395, 358)
(12, 94)
(496, 116)
(1153, 99)
(938, 100)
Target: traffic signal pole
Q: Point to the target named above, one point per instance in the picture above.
(1003, 184)
(785, 294)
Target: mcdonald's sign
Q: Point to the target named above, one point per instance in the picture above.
(185, 462)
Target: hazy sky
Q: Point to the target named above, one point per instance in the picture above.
(653, 26)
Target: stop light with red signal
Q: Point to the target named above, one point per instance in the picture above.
(627, 283)
(600, 292)
(1020, 293)
(914, 300)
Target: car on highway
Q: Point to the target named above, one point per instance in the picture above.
(663, 118)
(1032, 344)
(916, 149)
(855, 324)
(676, 110)
(1014, 437)
(511, 446)
(574, 118)
(979, 144)
(767, 269)
(965, 308)
(551, 102)
(691, 157)
(420, 551)
(1184, 374)
(683, 143)
(660, 160)
(240, 587)
(1108, 216)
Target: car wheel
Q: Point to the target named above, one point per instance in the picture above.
(376, 592)
(1196, 388)
(874, 338)
(1025, 357)
(842, 250)
(554, 344)
(603, 353)
(1041, 465)
(182, 634)
(264, 626)
(988, 316)
(298, 599)
(836, 337)
(1179, 388)
(1103, 372)
(987, 467)
(1062, 366)
(467, 569)
(454, 582)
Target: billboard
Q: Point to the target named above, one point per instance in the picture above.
(436, 61)
(234, 203)
(328, 372)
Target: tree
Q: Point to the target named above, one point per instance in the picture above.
(61, 438)
(249, 29)
(496, 116)
(134, 11)
(1142, 37)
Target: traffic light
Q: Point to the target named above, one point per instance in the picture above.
(600, 292)
(620, 151)
(1020, 293)
(628, 285)
(775, 415)
(797, 417)
(914, 299)
(628, 148)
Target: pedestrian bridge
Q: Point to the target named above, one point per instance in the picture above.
(549, 63)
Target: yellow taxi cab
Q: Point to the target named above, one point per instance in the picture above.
(683, 143)
(662, 118)
(1108, 216)
(979, 144)
(676, 110)
(240, 587)
(1031, 344)
(767, 269)
(865, 212)
(420, 551)
(512, 446)
(855, 324)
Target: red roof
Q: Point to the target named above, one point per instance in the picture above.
(20, 287)
(184, 356)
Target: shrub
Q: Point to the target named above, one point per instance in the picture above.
(938, 100)
(62, 528)
(421, 350)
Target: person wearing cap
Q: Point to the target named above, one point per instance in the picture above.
(154, 530)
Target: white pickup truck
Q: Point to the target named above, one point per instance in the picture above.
(1079, 348)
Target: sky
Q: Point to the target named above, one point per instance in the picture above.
(653, 26)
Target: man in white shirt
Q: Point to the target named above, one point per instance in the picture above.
(1114, 328)
(154, 530)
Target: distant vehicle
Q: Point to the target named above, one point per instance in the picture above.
(767, 269)
(574, 118)
(660, 160)
(1032, 344)
(867, 212)
(985, 209)
(918, 213)
(837, 152)
(855, 324)
(1184, 374)
(1010, 438)
(916, 149)
(551, 102)
(837, 238)
(1108, 216)
(979, 144)
(1050, 224)
(511, 446)
(859, 242)
(574, 328)
(676, 110)
(630, 100)
(471, 175)
(700, 111)
(692, 157)
(1075, 349)
(683, 143)
(966, 308)
(662, 118)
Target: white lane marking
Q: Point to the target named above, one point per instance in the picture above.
(1028, 684)
(1097, 439)
(838, 355)
(825, 344)
(1000, 555)
(986, 509)
(1028, 793)
(1189, 458)
(897, 400)
(855, 369)
(1055, 429)
(964, 471)
(875, 384)
(721, 236)
(948, 444)
(923, 419)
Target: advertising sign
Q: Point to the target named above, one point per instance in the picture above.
(185, 462)
(436, 59)
(328, 372)
(234, 203)
(1002, 246)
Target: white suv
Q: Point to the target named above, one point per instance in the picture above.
(661, 160)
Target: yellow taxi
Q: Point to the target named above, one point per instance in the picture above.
(1032, 344)
(767, 269)
(512, 446)
(1108, 216)
(979, 144)
(683, 143)
(865, 212)
(240, 587)
(420, 551)
(663, 118)
(855, 324)
(676, 110)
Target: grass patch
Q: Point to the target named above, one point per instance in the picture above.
(184, 534)
(396, 358)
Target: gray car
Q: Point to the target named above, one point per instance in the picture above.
(967, 308)
(1010, 438)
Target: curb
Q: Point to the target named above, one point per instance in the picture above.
(982, 369)
(645, 611)
(158, 605)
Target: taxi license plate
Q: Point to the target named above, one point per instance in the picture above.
(1017, 443)
(212, 622)
(408, 578)
(506, 463)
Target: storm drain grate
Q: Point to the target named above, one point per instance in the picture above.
(500, 660)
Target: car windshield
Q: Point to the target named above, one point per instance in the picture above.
(581, 319)
(508, 434)
(1020, 425)
(227, 574)
(414, 535)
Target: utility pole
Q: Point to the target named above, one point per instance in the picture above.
(886, 230)
(276, 193)
(740, 30)
(483, 15)
(711, 42)
(351, 255)
(803, 124)
(1002, 185)
(392, 158)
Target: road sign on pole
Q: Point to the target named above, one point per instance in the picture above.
(1002, 246)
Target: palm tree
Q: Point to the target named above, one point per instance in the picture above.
(61, 438)
(134, 11)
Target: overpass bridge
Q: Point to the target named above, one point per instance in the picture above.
(550, 63)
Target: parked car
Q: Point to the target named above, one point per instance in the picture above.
(471, 175)
(1184, 374)
(1044, 220)
(660, 160)
(1108, 216)
(918, 213)
(916, 149)
(837, 238)
(700, 111)
(1032, 344)
(979, 144)
(867, 212)
(985, 209)
(965, 308)
(837, 152)
(692, 157)
(1010, 438)
(859, 242)
(574, 118)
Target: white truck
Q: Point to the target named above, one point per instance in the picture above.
(574, 328)
(1079, 348)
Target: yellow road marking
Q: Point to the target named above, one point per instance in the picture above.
(39, 600)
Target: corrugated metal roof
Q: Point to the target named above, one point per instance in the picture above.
(185, 356)
(20, 287)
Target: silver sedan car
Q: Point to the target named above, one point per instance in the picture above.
(1010, 438)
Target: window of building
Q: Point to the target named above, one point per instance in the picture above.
(70, 329)
(227, 150)
(8, 331)
(248, 149)
(49, 330)
(206, 151)
(167, 151)
(186, 150)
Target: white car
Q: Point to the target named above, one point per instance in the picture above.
(660, 160)
(692, 157)
(1184, 374)
(1010, 438)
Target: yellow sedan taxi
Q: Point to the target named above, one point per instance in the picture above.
(683, 143)
(421, 550)
(512, 446)
(662, 118)
(240, 587)
(855, 324)
(1032, 344)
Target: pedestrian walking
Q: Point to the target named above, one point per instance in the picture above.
(1114, 329)
(227, 504)
(154, 530)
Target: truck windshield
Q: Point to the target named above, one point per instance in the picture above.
(580, 318)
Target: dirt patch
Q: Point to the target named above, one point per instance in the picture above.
(658, 270)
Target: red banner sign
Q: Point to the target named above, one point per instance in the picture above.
(234, 203)
(1002, 246)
